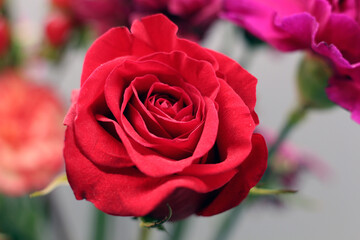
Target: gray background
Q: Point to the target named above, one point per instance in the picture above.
(327, 209)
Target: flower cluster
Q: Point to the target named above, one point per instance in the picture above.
(329, 28)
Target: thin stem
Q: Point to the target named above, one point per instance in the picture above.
(144, 233)
(179, 229)
(228, 224)
(60, 226)
(293, 119)
(100, 225)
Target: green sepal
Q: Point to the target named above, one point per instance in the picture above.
(149, 222)
(58, 181)
(266, 192)
(312, 79)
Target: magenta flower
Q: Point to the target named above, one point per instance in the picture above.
(330, 28)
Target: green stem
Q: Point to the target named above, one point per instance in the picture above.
(100, 225)
(293, 119)
(144, 233)
(178, 231)
(228, 224)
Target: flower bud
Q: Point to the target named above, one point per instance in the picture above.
(57, 29)
(4, 35)
(312, 78)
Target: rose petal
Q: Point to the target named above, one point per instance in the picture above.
(97, 145)
(117, 42)
(250, 173)
(234, 137)
(150, 163)
(345, 92)
(197, 73)
(139, 195)
(243, 83)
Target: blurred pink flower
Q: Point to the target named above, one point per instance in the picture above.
(4, 35)
(289, 163)
(101, 14)
(193, 17)
(31, 135)
(330, 28)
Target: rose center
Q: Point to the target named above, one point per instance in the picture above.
(167, 104)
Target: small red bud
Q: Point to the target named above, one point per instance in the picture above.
(4, 35)
(57, 29)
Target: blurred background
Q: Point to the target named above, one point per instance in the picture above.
(327, 203)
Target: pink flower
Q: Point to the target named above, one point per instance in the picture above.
(290, 162)
(330, 28)
(31, 135)
(192, 16)
(102, 14)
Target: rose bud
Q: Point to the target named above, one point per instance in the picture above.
(31, 135)
(161, 121)
(4, 35)
(57, 29)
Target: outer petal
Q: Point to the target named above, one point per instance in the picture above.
(158, 33)
(343, 46)
(243, 83)
(97, 144)
(250, 173)
(282, 24)
(345, 92)
(117, 42)
(128, 192)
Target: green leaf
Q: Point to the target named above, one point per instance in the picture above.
(59, 181)
(263, 191)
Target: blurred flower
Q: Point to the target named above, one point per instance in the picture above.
(31, 135)
(193, 17)
(4, 35)
(329, 28)
(102, 15)
(289, 163)
(61, 4)
(58, 27)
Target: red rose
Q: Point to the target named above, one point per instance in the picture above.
(161, 120)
